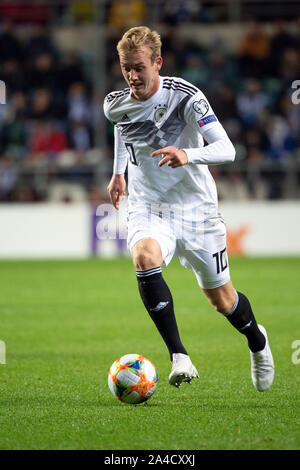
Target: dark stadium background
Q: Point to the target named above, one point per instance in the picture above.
(58, 61)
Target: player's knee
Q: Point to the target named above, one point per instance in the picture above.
(222, 306)
(222, 298)
(145, 260)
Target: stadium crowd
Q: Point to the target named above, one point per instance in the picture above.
(47, 126)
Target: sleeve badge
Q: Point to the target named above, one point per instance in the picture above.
(201, 107)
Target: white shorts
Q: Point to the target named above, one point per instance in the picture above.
(200, 247)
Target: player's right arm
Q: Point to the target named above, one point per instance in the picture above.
(117, 189)
(117, 185)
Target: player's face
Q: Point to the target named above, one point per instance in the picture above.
(140, 72)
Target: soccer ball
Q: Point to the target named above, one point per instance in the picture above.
(132, 379)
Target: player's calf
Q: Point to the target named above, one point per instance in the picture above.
(236, 307)
(242, 318)
(158, 301)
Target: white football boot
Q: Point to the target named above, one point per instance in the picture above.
(182, 370)
(262, 366)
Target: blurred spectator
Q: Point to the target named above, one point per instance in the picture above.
(12, 74)
(78, 104)
(289, 67)
(255, 184)
(40, 43)
(34, 12)
(116, 78)
(8, 178)
(14, 137)
(79, 136)
(282, 143)
(41, 104)
(180, 47)
(223, 102)
(43, 73)
(254, 51)
(46, 141)
(195, 71)
(255, 138)
(281, 40)
(10, 46)
(70, 71)
(252, 102)
(82, 10)
(127, 13)
(176, 12)
(221, 70)
(291, 114)
(17, 106)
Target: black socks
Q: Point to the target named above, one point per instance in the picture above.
(158, 301)
(242, 318)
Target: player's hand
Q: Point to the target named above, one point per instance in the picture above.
(116, 190)
(172, 156)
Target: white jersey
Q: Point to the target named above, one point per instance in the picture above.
(178, 115)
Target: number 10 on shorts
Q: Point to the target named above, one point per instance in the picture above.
(221, 260)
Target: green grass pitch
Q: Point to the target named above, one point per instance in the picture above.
(65, 322)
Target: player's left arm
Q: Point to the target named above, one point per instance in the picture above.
(201, 119)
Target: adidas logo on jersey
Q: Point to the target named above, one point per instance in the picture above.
(125, 118)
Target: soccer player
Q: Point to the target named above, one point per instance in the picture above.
(160, 126)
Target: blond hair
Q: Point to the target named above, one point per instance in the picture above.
(140, 36)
